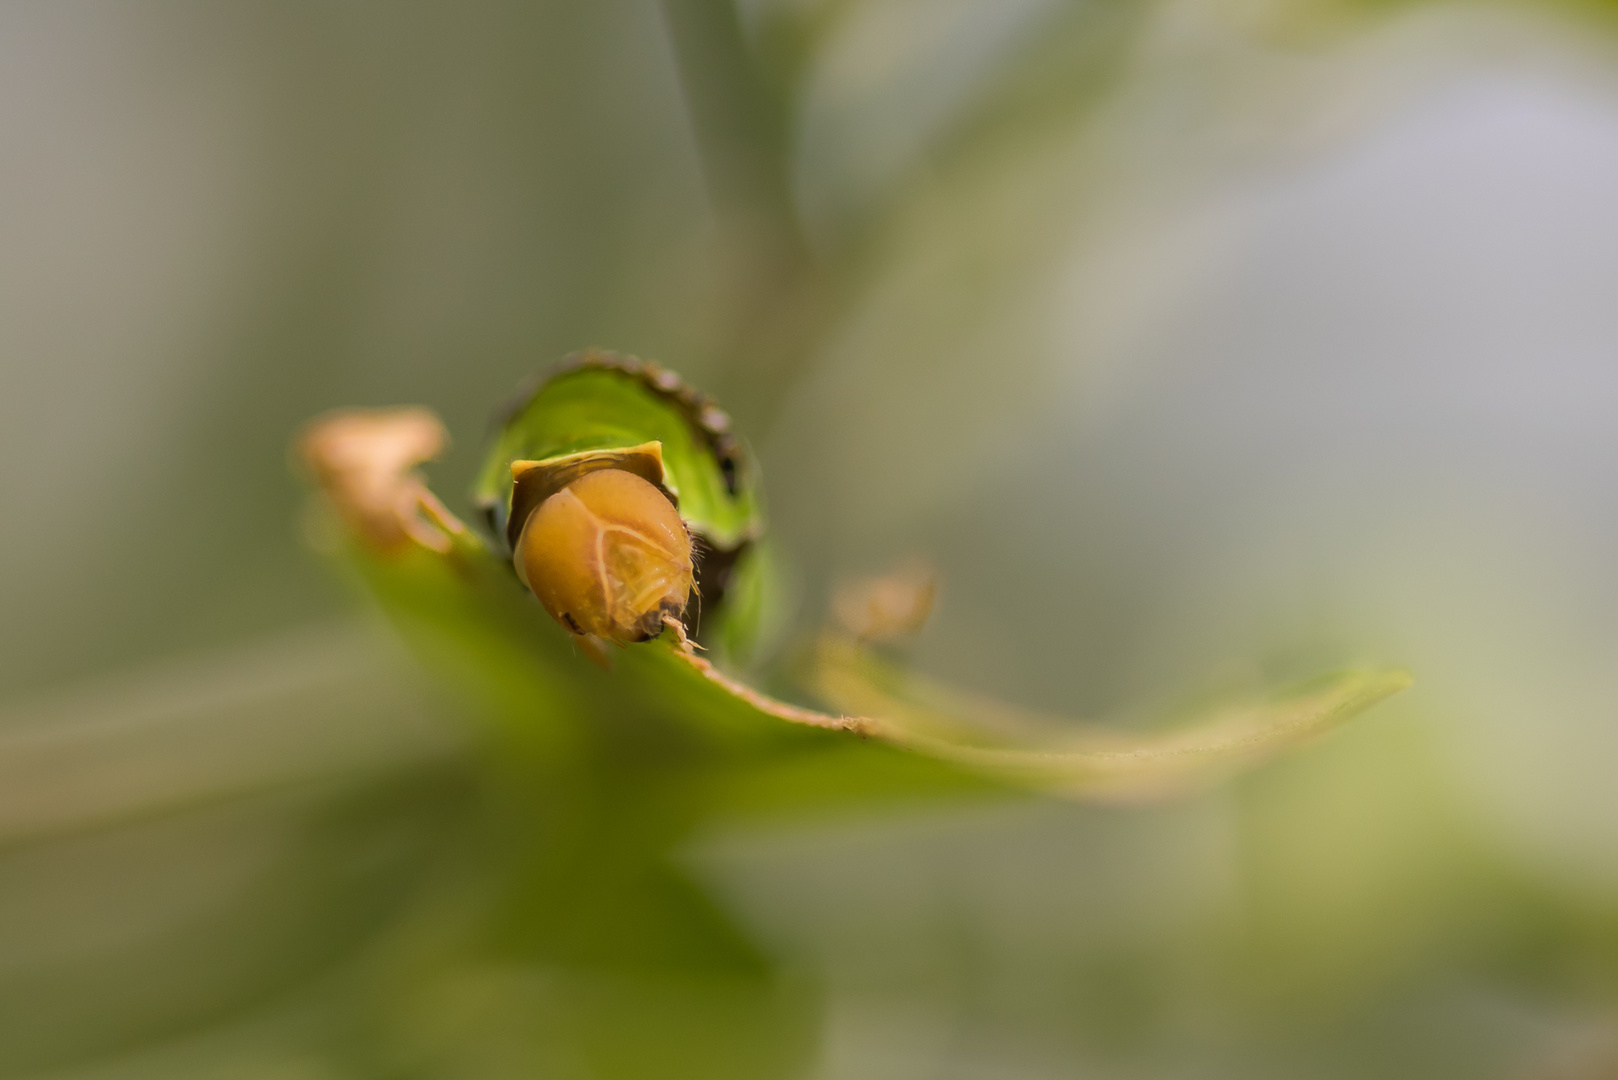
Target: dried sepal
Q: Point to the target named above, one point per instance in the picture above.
(890, 606)
(365, 461)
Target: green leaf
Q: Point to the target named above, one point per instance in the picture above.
(460, 602)
(1088, 762)
(603, 401)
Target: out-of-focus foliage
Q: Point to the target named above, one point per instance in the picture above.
(1176, 334)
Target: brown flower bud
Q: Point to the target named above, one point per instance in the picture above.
(607, 555)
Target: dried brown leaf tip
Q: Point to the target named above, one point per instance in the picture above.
(892, 605)
(365, 461)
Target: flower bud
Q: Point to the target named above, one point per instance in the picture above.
(607, 555)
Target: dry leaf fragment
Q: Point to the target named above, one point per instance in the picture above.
(893, 605)
(365, 462)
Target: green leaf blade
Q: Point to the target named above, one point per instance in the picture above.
(605, 406)
(1091, 763)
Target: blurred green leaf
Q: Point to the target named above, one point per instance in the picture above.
(1107, 764)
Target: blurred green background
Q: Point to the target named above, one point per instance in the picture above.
(1195, 342)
